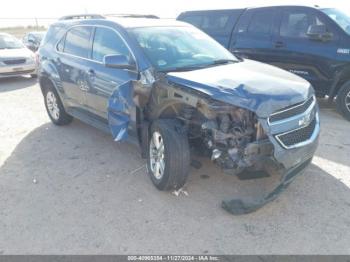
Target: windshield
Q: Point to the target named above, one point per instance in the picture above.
(342, 19)
(9, 42)
(180, 48)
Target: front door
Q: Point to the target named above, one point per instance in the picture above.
(105, 82)
(297, 53)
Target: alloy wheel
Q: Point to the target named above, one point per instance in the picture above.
(157, 159)
(52, 105)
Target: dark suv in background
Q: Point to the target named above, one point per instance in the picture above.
(311, 42)
(170, 88)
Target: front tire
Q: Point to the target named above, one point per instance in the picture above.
(343, 100)
(168, 155)
(54, 107)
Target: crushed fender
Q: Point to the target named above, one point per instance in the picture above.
(119, 107)
(240, 207)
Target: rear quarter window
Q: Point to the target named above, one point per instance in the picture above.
(195, 20)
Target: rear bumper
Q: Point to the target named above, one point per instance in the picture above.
(17, 70)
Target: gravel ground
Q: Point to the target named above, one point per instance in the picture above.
(72, 190)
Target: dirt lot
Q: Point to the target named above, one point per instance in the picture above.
(70, 190)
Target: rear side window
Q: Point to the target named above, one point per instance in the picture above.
(108, 42)
(77, 41)
(295, 24)
(261, 22)
(215, 21)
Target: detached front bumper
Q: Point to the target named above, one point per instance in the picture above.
(239, 207)
(295, 140)
(17, 70)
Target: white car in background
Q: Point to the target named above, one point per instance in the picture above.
(15, 58)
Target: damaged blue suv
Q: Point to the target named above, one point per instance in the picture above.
(175, 91)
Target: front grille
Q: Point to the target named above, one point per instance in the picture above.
(291, 111)
(14, 61)
(297, 136)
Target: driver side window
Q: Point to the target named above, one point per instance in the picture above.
(295, 24)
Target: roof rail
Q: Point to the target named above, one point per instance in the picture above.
(82, 16)
(133, 16)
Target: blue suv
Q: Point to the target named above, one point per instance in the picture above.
(174, 91)
(311, 42)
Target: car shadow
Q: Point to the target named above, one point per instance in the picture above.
(335, 141)
(16, 83)
(60, 180)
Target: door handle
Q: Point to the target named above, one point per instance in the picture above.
(91, 73)
(279, 44)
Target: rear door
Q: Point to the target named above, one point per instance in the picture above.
(104, 81)
(72, 63)
(295, 52)
(252, 37)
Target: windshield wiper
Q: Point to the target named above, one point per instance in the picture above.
(183, 68)
(223, 61)
(195, 67)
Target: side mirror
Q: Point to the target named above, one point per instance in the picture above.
(319, 33)
(118, 61)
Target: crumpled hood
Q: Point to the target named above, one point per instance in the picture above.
(15, 53)
(255, 86)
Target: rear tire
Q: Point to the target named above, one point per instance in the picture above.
(168, 155)
(343, 100)
(54, 107)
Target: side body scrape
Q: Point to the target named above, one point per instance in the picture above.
(120, 106)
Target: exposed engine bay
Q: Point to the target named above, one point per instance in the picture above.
(231, 136)
(227, 134)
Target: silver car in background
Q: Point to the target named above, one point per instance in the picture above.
(15, 58)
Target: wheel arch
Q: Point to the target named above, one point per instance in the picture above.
(44, 82)
(341, 78)
(163, 104)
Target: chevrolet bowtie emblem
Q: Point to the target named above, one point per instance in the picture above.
(305, 120)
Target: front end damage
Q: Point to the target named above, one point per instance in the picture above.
(242, 143)
(237, 139)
